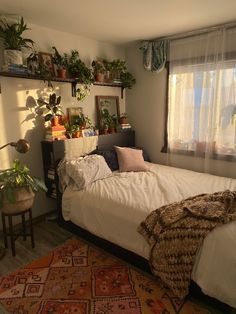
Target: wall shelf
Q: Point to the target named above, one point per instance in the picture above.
(72, 81)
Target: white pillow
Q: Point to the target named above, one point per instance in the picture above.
(85, 170)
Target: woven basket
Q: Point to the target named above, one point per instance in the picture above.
(24, 200)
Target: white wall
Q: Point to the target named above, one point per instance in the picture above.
(18, 95)
(145, 105)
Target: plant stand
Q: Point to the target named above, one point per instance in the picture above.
(10, 232)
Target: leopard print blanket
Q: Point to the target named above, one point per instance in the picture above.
(176, 231)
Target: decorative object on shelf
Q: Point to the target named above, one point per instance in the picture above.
(61, 61)
(99, 70)
(55, 132)
(73, 113)
(117, 67)
(108, 111)
(46, 63)
(11, 33)
(124, 124)
(123, 119)
(52, 110)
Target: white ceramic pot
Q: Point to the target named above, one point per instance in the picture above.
(13, 57)
(24, 200)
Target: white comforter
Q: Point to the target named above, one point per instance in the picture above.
(114, 207)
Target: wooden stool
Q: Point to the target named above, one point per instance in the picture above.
(11, 233)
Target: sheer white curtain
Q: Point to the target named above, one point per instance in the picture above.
(202, 95)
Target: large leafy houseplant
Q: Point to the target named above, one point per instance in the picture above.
(11, 33)
(52, 108)
(16, 178)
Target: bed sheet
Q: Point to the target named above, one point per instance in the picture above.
(114, 207)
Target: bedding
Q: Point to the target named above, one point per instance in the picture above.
(175, 233)
(114, 207)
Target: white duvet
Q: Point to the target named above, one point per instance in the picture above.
(113, 208)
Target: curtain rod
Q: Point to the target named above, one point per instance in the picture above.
(196, 32)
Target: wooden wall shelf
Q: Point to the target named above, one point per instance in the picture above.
(72, 81)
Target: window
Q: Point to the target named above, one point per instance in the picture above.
(202, 108)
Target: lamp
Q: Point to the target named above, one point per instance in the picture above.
(22, 146)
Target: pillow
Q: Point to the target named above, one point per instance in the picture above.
(130, 159)
(145, 154)
(110, 158)
(84, 171)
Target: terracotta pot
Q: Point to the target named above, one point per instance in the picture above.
(24, 200)
(123, 120)
(100, 77)
(61, 73)
(77, 134)
(112, 130)
(55, 121)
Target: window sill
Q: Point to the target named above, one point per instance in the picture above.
(203, 155)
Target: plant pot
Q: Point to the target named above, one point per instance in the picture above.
(55, 121)
(24, 200)
(112, 130)
(61, 73)
(100, 77)
(77, 134)
(105, 131)
(123, 120)
(13, 57)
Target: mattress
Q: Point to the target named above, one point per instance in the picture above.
(113, 208)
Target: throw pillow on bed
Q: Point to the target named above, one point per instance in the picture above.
(84, 171)
(130, 159)
(110, 157)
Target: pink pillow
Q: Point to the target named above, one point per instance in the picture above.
(130, 159)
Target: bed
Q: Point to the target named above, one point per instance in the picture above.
(112, 209)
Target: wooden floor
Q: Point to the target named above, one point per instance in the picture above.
(48, 235)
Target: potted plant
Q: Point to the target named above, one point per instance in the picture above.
(108, 121)
(99, 70)
(18, 187)
(61, 62)
(117, 66)
(127, 80)
(76, 131)
(53, 109)
(123, 119)
(13, 40)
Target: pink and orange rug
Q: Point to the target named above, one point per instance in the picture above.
(77, 278)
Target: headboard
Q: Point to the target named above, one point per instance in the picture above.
(54, 151)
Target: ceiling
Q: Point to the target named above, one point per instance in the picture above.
(122, 21)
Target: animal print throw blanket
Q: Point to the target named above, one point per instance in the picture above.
(176, 231)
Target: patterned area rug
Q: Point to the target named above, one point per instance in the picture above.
(77, 278)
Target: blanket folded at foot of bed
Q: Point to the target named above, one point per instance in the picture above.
(176, 231)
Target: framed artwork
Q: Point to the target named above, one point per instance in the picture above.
(45, 59)
(73, 113)
(108, 104)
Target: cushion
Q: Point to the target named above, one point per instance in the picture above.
(130, 159)
(110, 157)
(86, 170)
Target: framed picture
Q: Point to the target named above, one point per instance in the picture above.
(73, 113)
(107, 108)
(45, 59)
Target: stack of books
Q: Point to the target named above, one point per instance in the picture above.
(55, 133)
(124, 127)
(15, 68)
